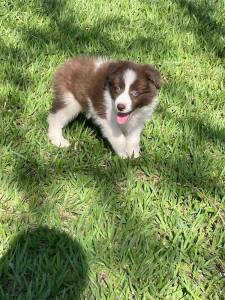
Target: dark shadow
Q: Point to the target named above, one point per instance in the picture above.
(16, 74)
(200, 128)
(35, 178)
(208, 31)
(43, 263)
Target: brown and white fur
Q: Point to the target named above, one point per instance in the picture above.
(119, 96)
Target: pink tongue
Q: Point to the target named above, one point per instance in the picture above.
(122, 118)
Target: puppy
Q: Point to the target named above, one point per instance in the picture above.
(119, 96)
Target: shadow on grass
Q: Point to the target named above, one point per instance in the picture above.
(66, 37)
(201, 129)
(43, 263)
(15, 74)
(136, 246)
(207, 30)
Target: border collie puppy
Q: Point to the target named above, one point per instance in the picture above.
(119, 96)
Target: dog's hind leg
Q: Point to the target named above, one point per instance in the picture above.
(63, 111)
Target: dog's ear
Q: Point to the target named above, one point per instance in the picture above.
(153, 75)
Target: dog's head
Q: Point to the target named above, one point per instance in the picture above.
(131, 86)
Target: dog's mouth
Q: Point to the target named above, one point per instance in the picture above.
(122, 118)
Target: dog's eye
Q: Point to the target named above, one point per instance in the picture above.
(134, 93)
(117, 89)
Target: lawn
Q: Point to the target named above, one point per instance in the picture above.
(81, 223)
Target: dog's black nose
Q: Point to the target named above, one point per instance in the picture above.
(121, 107)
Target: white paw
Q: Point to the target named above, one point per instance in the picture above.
(133, 152)
(136, 154)
(59, 142)
(123, 155)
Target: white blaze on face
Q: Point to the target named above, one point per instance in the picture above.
(129, 77)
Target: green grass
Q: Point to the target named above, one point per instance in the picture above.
(80, 223)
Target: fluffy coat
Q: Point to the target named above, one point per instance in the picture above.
(119, 96)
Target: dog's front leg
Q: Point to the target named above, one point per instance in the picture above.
(116, 138)
(133, 141)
